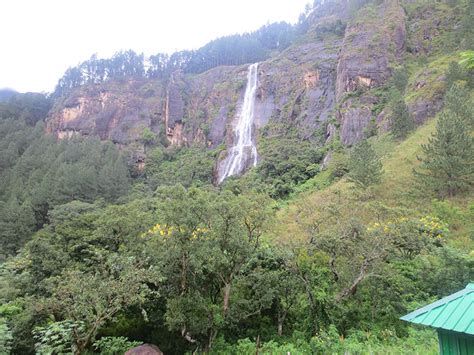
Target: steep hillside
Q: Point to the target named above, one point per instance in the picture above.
(304, 87)
(330, 83)
(118, 229)
(399, 191)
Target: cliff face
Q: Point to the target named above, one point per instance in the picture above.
(373, 45)
(118, 111)
(323, 85)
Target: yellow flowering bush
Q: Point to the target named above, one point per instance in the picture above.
(411, 235)
(387, 227)
(433, 227)
(429, 226)
(166, 231)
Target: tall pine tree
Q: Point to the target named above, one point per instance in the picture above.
(365, 168)
(447, 164)
(401, 121)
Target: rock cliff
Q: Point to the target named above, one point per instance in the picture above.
(373, 45)
(322, 86)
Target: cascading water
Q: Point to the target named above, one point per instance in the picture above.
(243, 152)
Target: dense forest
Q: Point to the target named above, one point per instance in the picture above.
(231, 50)
(319, 249)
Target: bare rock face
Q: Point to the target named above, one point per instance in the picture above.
(145, 349)
(320, 87)
(354, 119)
(299, 85)
(373, 43)
(174, 109)
(423, 109)
(114, 111)
(214, 98)
(430, 22)
(427, 93)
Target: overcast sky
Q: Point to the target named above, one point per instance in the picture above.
(42, 38)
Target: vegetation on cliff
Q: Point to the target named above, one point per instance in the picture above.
(350, 220)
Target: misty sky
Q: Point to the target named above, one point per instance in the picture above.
(42, 38)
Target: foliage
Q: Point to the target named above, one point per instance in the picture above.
(230, 50)
(467, 59)
(6, 338)
(37, 174)
(365, 168)
(331, 342)
(447, 165)
(148, 137)
(400, 79)
(227, 229)
(186, 166)
(401, 122)
(93, 299)
(286, 164)
(467, 30)
(454, 73)
(114, 345)
(226, 270)
(57, 337)
(30, 107)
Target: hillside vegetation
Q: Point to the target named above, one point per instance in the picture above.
(360, 210)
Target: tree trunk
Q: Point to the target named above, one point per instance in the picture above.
(312, 304)
(183, 273)
(281, 319)
(280, 327)
(352, 289)
(226, 297)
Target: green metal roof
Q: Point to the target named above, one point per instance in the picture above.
(454, 312)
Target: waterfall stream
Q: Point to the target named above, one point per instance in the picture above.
(243, 152)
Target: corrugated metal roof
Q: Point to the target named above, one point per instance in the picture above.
(454, 312)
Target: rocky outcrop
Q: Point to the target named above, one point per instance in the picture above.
(145, 349)
(432, 25)
(354, 117)
(299, 85)
(115, 111)
(214, 98)
(174, 108)
(322, 86)
(373, 44)
(426, 93)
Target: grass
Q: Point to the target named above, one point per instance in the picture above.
(398, 189)
(430, 75)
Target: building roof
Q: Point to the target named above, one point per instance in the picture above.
(454, 312)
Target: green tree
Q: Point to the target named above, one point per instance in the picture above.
(467, 28)
(205, 241)
(365, 168)
(401, 122)
(5, 338)
(455, 73)
(92, 299)
(400, 79)
(17, 223)
(114, 345)
(447, 164)
(148, 137)
(468, 59)
(57, 337)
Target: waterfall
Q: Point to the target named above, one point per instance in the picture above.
(243, 152)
